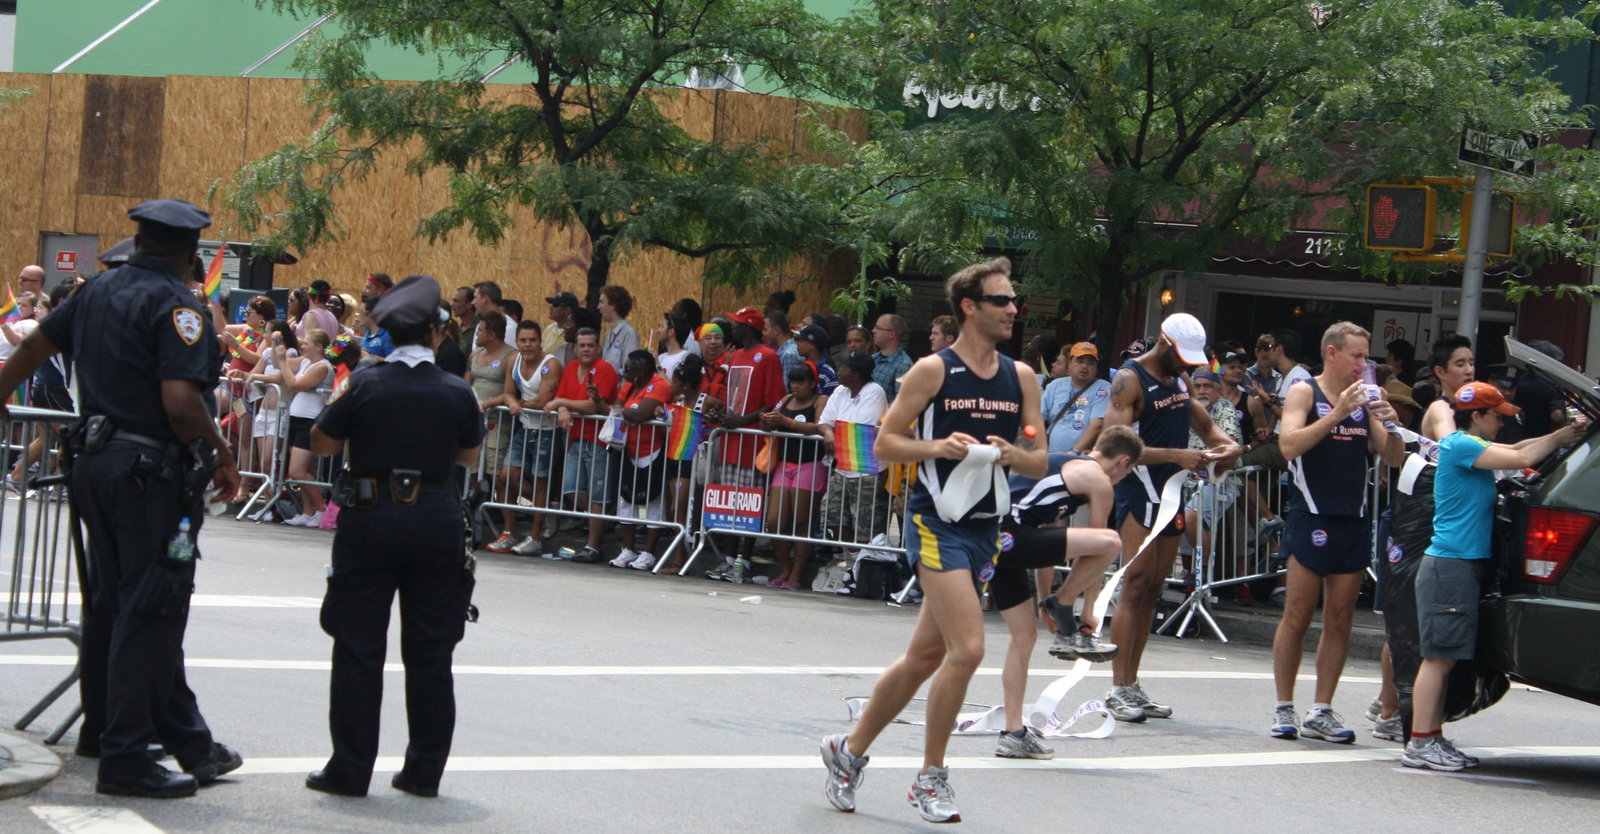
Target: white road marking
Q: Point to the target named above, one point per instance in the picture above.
(71, 819)
(654, 671)
(566, 764)
(252, 601)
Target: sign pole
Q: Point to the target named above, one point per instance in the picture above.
(1477, 255)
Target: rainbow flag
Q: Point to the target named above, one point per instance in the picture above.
(684, 427)
(213, 285)
(11, 312)
(1216, 367)
(852, 447)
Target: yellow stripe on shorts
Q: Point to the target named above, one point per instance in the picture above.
(928, 551)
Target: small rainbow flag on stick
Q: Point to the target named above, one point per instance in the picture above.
(852, 447)
(11, 312)
(213, 285)
(684, 427)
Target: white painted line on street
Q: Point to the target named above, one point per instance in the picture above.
(654, 671)
(252, 601)
(72, 819)
(567, 764)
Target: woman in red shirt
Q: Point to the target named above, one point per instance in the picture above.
(644, 467)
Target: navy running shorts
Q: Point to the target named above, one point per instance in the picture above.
(935, 544)
(1328, 544)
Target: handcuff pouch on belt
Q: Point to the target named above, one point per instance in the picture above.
(405, 486)
(351, 491)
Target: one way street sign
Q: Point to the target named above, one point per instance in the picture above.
(1506, 154)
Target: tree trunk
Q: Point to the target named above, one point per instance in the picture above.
(599, 266)
(1107, 316)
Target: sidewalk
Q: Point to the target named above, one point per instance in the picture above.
(1256, 625)
(24, 766)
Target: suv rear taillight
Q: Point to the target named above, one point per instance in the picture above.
(1554, 537)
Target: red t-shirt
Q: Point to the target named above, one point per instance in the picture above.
(573, 388)
(755, 381)
(643, 439)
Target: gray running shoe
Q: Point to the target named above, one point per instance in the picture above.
(1064, 647)
(932, 796)
(844, 773)
(1125, 705)
(1027, 746)
(1389, 729)
(739, 572)
(1375, 711)
(529, 546)
(1326, 725)
(1284, 724)
(1430, 755)
(1469, 761)
(1151, 708)
(719, 573)
(1091, 648)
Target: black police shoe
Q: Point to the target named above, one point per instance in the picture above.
(155, 783)
(222, 760)
(320, 780)
(402, 782)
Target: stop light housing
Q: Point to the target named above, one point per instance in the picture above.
(1399, 217)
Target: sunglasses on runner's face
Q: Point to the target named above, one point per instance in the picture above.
(1003, 300)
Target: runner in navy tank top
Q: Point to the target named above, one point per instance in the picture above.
(1330, 428)
(968, 403)
(1149, 394)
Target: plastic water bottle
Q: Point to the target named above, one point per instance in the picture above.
(181, 548)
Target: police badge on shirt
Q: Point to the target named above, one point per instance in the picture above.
(188, 324)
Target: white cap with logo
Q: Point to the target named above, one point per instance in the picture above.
(1188, 337)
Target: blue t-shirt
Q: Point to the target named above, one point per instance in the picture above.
(377, 343)
(1089, 404)
(1463, 500)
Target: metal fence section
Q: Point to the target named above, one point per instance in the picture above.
(44, 578)
(255, 423)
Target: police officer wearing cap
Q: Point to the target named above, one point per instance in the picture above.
(409, 426)
(147, 361)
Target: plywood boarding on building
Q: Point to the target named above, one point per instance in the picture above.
(22, 140)
(58, 207)
(122, 142)
(203, 140)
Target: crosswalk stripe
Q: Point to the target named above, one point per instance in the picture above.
(75, 819)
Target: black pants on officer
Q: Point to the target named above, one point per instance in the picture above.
(136, 609)
(418, 552)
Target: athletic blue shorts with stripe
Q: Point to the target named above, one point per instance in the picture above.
(936, 544)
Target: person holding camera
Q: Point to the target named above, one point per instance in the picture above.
(406, 427)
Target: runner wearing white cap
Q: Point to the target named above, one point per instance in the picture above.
(1150, 394)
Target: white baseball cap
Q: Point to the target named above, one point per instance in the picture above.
(1188, 337)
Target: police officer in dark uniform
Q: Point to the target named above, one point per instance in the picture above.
(147, 360)
(408, 425)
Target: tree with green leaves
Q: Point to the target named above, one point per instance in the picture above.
(1130, 137)
(587, 143)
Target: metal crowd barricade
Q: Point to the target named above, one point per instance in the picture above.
(1234, 546)
(734, 502)
(256, 427)
(527, 496)
(44, 579)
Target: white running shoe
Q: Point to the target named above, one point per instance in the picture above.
(314, 520)
(624, 559)
(529, 546)
(932, 796)
(297, 521)
(645, 561)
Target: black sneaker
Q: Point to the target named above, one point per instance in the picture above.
(155, 783)
(222, 760)
(588, 556)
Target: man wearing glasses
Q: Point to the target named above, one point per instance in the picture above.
(891, 362)
(1261, 379)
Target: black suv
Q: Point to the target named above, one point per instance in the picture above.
(1540, 624)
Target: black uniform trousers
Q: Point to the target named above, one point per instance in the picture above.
(419, 552)
(136, 607)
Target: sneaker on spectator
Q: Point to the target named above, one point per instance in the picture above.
(1267, 529)
(1375, 710)
(1151, 708)
(932, 796)
(1389, 729)
(739, 573)
(314, 520)
(1284, 724)
(1124, 705)
(529, 546)
(502, 544)
(1429, 754)
(645, 561)
(588, 556)
(719, 573)
(1025, 746)
(624, 559)
(13, 485)
(844, 773)
(1325, 724)
(298, 521)
(1450, 746)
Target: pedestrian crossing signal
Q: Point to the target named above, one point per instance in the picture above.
(1399, 217)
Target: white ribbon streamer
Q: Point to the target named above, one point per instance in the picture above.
(974, 477)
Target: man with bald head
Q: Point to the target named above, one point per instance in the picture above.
(31, 279)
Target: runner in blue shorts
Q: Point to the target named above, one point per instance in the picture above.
(968, 403)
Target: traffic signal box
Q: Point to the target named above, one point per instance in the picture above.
(1399, 217)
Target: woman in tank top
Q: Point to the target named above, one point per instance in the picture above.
(486, 371)
(530, 384)
(798, 472)
(308, 386)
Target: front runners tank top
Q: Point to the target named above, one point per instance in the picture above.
(966, 403)
(1035, 503)
(1331, 477)
(1163, 424)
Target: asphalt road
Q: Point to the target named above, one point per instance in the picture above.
(596, 699)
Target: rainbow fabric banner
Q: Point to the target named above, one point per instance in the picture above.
(11, 312)
(213, 285)
(684, 428)
(852, 447)
(1216, 367)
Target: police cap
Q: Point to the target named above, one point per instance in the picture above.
(176, 214)
(412, 304)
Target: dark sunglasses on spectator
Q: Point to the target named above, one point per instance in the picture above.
(1265, 346)
(1003, 300)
